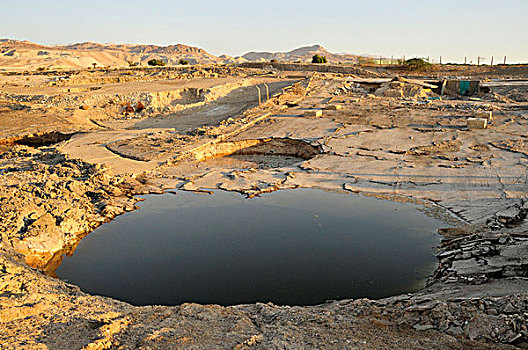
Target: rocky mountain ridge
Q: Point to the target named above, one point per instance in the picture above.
(23, 54)
(303, 54)
(28, 55)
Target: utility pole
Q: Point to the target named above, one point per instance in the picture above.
(440, 59)
(465, 60)
(392, 60)
(478, 61)
(504, 59)
(380, 61)
(491, 64)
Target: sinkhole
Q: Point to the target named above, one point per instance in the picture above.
(257, 153)
(291, 247)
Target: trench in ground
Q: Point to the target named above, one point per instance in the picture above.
(38, 140)
(292, 247)
(257, 153)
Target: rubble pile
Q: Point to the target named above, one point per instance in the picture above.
(489, 319)
(403, 88)
(482, 258)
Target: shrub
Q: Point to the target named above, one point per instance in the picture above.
(319, 59)
(132, 63)
(156, 62)
(417, 64)
(184, 62)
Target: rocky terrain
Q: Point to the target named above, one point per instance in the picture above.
(302, 54)
(25, 55)
(71, 160)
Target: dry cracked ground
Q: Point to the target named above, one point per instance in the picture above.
(77, 147)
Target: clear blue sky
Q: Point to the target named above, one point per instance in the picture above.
(451, 28)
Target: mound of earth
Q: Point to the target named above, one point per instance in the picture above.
(401, 87)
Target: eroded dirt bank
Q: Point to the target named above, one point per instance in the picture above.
(399, 145)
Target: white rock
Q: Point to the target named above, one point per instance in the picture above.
(477, 123)
(488, 115)
(313, 113)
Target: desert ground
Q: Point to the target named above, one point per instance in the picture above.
(78, 146)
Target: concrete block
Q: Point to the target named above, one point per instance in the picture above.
(313, 113)
(488, 115)
(477, 123)
(333, 107)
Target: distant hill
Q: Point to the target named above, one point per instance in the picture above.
(303, 54)
(16, 54)
(25, 55)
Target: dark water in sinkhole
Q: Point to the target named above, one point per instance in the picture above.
(294, 247)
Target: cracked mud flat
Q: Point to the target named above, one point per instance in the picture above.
(397, 148)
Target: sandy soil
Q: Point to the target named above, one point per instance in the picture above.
(399, 145)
